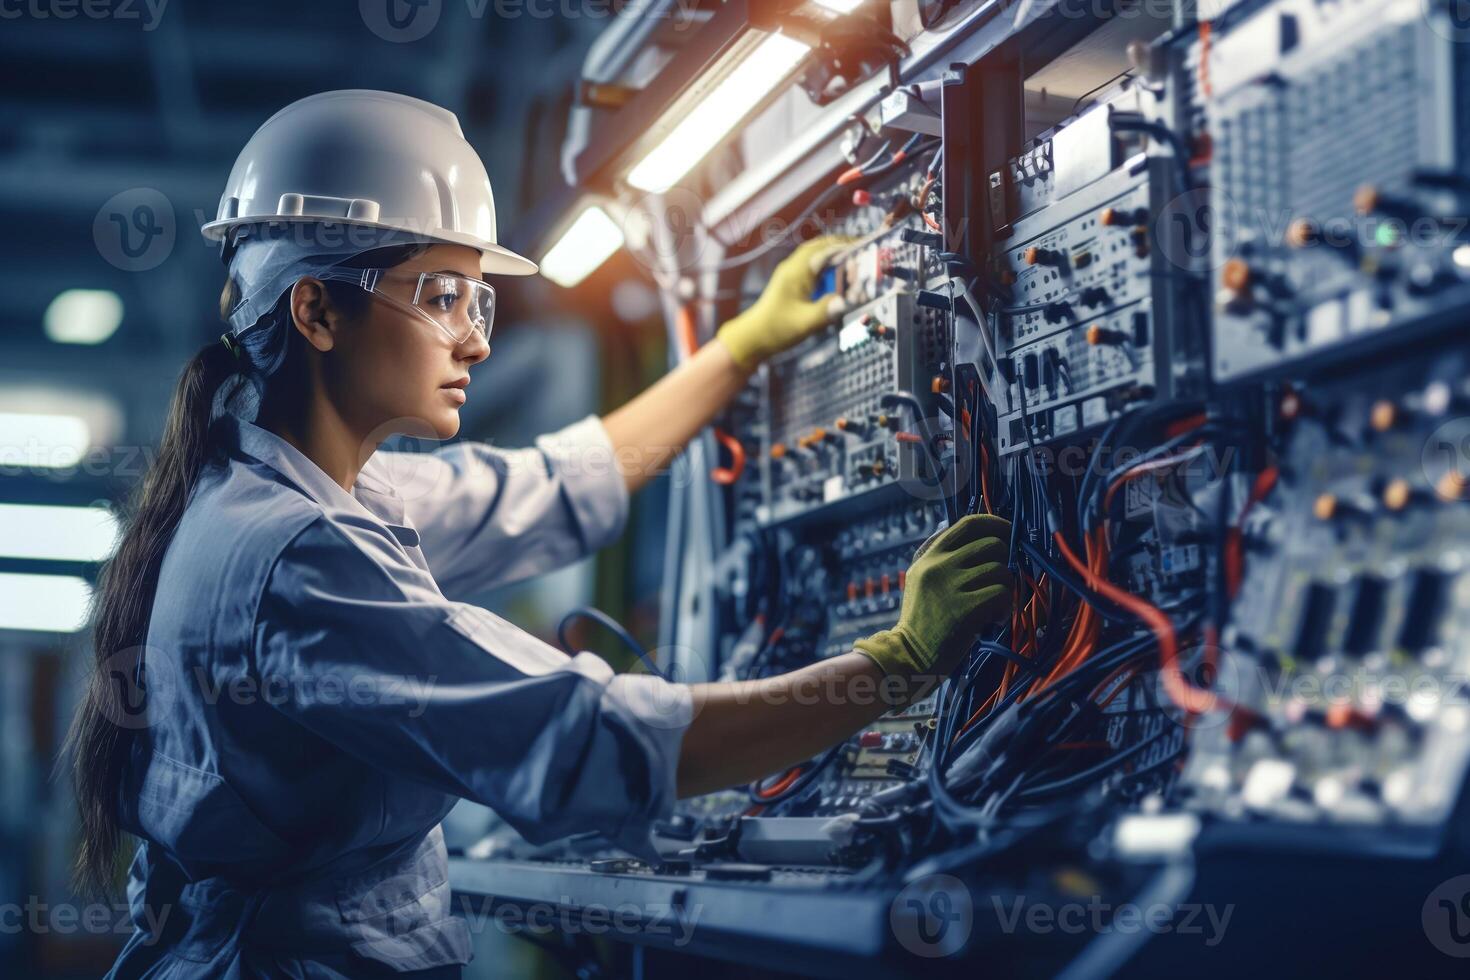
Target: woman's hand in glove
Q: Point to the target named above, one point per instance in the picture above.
(957, 584)
(786, 313)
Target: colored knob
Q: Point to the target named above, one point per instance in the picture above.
(1398, 494)
(1384, 415)
(1367, 199)
(1236, 275)
(1325, 508)
(1303, 232)
(1453, 485)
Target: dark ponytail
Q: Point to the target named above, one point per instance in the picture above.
(101, 737)
(99, 746)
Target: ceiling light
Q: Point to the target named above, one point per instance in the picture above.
(84, 316)
(48, 533)
(767, 65)
(36, 441)
(586, 244)
(50, 603)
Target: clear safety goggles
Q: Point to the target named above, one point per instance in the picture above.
(456, 304)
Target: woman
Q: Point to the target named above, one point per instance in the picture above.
(314, 700)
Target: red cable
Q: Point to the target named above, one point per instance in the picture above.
(780, 785)
(1234, 560)
(1181, 692)
(726, 475)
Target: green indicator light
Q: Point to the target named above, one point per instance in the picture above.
(1386, 236)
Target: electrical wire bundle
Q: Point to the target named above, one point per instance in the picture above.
(1026, 729)
(1021, 724)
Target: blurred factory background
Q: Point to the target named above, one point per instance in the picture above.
(121, 123)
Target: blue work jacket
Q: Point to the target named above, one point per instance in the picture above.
(316, 704)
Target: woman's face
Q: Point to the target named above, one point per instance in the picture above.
(392, 371)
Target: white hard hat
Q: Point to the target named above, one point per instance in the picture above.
(367, 159)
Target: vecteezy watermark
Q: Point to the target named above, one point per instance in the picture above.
(406, 21)
(1204, 463)
(39, 459)
(1097, 916)
(138, 690)
(1188, 228)
(1158, 10)
(149, 12)
(1446, 917)
(663, 919)
(142, 687)
(933, 916)
(1450, 19)
(1445, 459)
(663, 232)
(391, 911)
(1204, 228)
(40, 918)
(135, 229)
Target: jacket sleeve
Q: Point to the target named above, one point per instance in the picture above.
(488, 516)
(454, 696)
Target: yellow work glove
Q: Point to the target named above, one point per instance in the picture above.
(958, 582)
(785, 312)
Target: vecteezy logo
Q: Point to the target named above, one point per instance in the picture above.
(138, 687)
(391, 910)
(1445, 459)
(400, 21)
(1446, 917)
(1450, 19)
(663, 230)
(1189, 228)
(932, 917)
(408, 464)
(134, 231)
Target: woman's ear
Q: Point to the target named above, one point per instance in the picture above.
(312, 314)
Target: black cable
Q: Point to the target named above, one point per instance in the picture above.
(1092, 772)
(1096, 600)
(1132, 122)
(1093, 91)
(614, 627)
(745, 258)
(927, 440)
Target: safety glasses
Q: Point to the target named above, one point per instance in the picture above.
(456, 304)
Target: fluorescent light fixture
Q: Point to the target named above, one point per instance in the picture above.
(47, 533)
(839, 6)
(37, 441)
(586, 244)
(49, 603)
(730, 101)
(84, 316)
